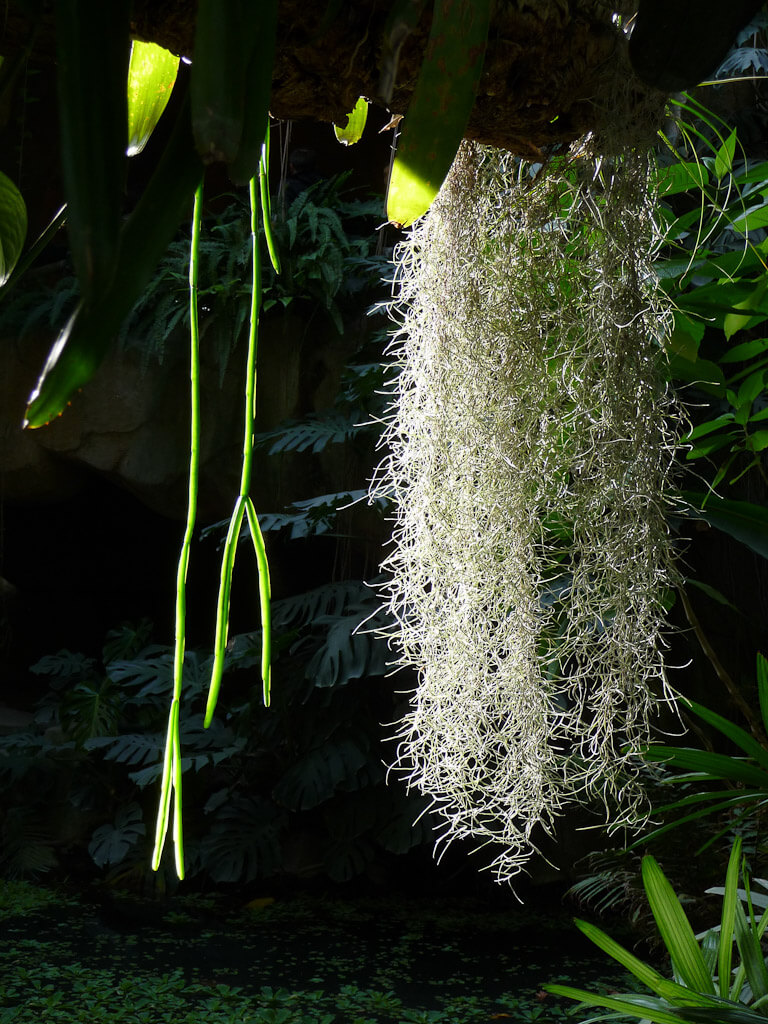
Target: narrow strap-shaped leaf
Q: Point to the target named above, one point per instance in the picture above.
(440, 107)
(262, 34)
(82, 344)
(762, 686)
(92, 51)
(675, 929)
(41, 242)
(709, 765)
(734, 732)
(711, 809)
(727, 921)
(657, 1014)
(644, 973)
(750, 951)
(731, 1014)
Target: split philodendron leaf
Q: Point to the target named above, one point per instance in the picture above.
(530, 457)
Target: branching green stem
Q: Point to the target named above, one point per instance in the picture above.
(171, 778)
(243, 503)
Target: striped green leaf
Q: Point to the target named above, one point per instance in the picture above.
(675, 929)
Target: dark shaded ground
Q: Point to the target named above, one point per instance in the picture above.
(429, 952)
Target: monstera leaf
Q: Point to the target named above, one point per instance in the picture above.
(110, 843)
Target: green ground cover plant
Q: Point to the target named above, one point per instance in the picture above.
(300, 961)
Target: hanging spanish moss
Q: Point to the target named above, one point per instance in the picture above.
(529, 459)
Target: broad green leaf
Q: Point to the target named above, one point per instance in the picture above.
(747, 350)
(752, 219)
(682, 176)
(439, 110)
(353, 130)
(316, 776)
(705, 374)
(758, 441)
(13, 226)
(110, 843)
(743, 520)
(751, 174)
(735, 322)
(712, 444)
(151, 76)
(675, 929)
(143, 238)
(709, 426)
(724, 156)
(683, 343)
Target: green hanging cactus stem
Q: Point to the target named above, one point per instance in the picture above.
(243, 503)
(172, 775)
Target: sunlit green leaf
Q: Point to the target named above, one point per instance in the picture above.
(353, 130)
(151, 76)
(439, 110)
(682, 176)
(724, 156)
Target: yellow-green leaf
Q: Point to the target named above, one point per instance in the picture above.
(13, 226)
(353, 130)
(151, 77)
(439, 110)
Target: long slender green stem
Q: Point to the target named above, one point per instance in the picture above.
(266, 205)
(243, 504)
(172, 773)
(265, 598)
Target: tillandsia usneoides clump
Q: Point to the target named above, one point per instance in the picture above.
(530, 452)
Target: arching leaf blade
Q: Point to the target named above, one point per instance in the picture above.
(13, 226)
(439, 111)
(675, 929)
(151, 77)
